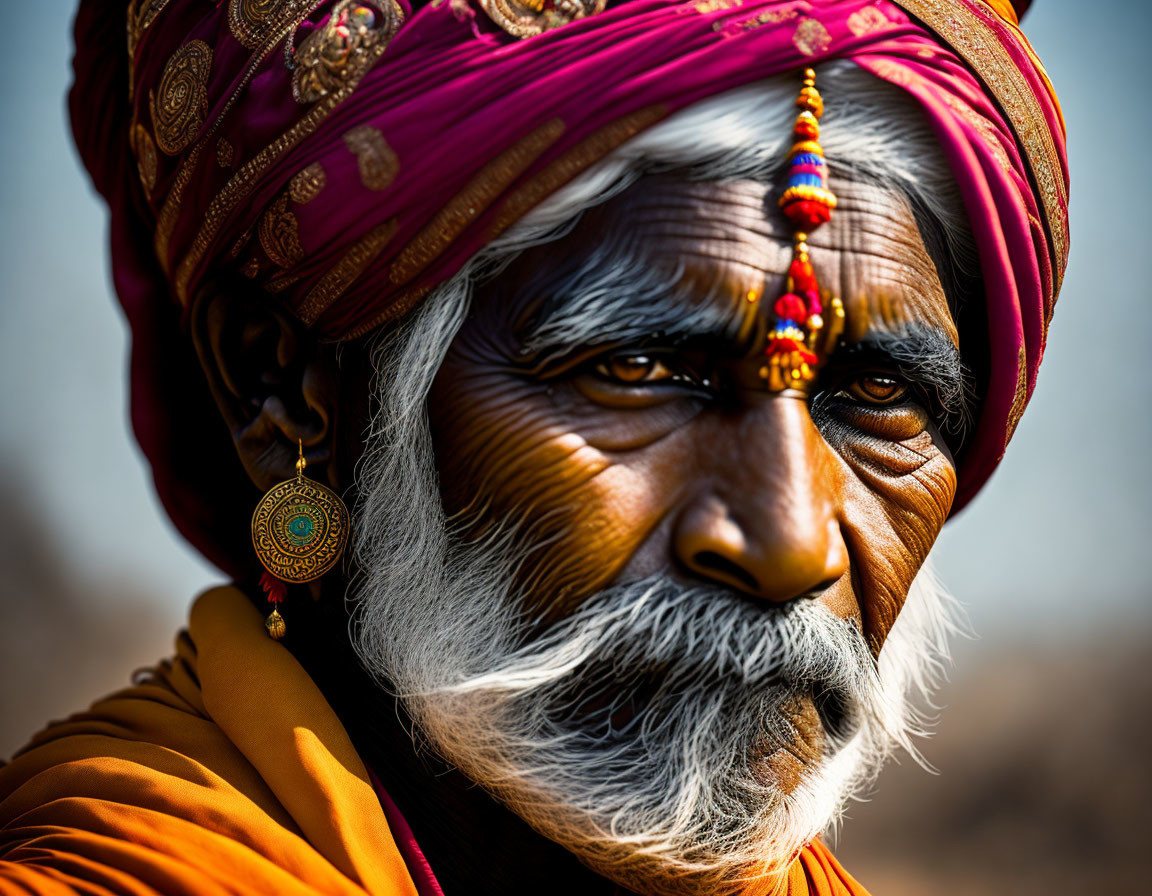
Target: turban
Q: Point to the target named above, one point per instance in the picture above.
(347, 157)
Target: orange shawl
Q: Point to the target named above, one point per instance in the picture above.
(223, 771)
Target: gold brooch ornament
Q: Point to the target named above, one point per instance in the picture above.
(341, 49)
(299, 531)
(526, 18)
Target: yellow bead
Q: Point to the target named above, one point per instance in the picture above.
(276, 625)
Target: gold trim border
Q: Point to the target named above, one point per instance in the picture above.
(970, 35)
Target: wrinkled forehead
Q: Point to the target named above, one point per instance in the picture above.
(672, 253)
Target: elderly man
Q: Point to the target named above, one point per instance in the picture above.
(651, 346)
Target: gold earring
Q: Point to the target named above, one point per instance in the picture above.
(299, 530)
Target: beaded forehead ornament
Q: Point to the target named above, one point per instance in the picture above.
(800, 338)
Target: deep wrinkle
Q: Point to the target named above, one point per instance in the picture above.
(615, 478)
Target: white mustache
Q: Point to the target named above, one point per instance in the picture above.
(690, 637)
(671, 803)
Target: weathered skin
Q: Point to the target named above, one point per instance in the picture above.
(625, 467)
(732, 484)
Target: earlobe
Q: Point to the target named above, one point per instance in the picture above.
(274, 384)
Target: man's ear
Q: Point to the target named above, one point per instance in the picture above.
(275, 384)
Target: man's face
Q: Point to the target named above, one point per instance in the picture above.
(606, 394)
(653, 628)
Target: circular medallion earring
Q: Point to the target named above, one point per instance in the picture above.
(299, 530)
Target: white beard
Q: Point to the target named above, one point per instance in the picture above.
(677, 800)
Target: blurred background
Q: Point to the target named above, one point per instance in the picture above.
(1042, 784)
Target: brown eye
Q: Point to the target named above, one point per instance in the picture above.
(880, 390)
(634, 369)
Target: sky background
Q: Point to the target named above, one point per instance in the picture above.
(1056, 545)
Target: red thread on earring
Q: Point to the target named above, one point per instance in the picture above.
(274, 589)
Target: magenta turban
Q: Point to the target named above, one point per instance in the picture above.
(347, 157)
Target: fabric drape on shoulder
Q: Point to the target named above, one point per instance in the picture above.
(818, 872)
(223, 771)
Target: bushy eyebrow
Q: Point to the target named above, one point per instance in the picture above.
(612, 297)
(925, 356)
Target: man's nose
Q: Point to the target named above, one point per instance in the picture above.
(766, 518)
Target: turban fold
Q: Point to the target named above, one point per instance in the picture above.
(347, 157)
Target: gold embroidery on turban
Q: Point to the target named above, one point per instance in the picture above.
(467, 205)
(169, 211)
(344, 273)
(248, 19)
(307, 184)
(572, 162)
(342, 49)
(140, 16)
(526, 18)
(280, 234)
(242, 182)
(225, 154)
(179, 104)
(147, 162)
(972, 38)
(1020, 398)
(867, 20)
(377, 162)
(811, 37)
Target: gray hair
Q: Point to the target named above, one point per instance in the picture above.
(871, 131)
(436, 621)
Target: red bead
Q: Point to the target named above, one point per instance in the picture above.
(803, 277)
(790, 307)
(274, 589)
(807, 129)
(786, 346)
(807, 214)
(800, 268)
